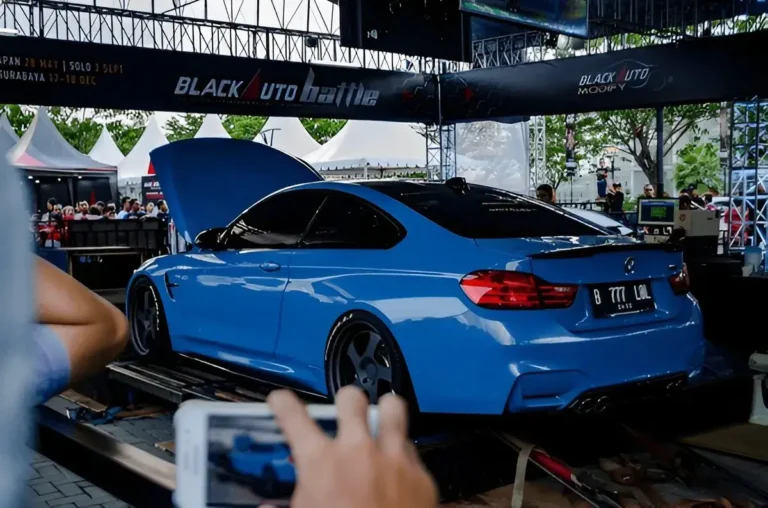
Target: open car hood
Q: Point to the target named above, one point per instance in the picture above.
(207, 182)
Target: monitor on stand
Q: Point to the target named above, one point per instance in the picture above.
(656, 218)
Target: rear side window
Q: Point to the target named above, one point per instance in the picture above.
(346, 222)
(485, 212)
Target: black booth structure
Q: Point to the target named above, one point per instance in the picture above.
(52, 168)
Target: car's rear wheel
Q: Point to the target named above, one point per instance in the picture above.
(149, 331)
(363, 352)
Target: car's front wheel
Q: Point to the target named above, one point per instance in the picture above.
(363, 352)
(149, 331)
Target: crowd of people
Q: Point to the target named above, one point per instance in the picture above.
(129, 209)
(52, 227)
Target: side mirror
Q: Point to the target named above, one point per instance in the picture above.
(209, 239)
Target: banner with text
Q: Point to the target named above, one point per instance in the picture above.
(698, 71)
(150, 189)
(62, 73)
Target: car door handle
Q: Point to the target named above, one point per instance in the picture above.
(269, 266)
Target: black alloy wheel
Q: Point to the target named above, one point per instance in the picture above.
(364, 354)
(148, 328)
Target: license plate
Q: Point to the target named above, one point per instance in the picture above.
(621, 298)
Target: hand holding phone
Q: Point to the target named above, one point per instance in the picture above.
(347, 455)
(355, 469)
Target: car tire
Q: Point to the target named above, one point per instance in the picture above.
(268, 481)
(374, 363)
(146, 316)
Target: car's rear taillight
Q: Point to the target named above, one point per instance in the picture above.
(499, 289)
(679, 282)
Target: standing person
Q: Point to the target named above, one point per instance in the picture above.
(708, 202)
(51, 210)
(125, 204)
(109, 211)
(602, 183)
(648, 192)
(546, 193)
(135, 212)
(695, 198)
(93, 213)
(162, 209)
(82, 210)
(616, 201)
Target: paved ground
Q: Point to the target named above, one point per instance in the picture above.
(51, 485)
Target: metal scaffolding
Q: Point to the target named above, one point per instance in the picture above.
(537, 128)
(287, 30)
(441, 152)
(510, 51)
(748, 174)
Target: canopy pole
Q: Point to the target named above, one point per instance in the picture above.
(659, 151)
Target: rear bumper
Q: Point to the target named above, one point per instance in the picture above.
(571, 375)
(482, 366)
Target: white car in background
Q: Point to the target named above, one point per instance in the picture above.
(602, 219)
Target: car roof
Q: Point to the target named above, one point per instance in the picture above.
(391, 186)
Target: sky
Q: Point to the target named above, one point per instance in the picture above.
(292, 14)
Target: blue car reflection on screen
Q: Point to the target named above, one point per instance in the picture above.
(268, 465)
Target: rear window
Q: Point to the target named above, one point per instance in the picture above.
(484, 212)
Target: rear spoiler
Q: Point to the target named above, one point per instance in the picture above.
(591, 250)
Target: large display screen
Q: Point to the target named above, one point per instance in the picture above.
(569, 17)
(429, 28)
(656, 212)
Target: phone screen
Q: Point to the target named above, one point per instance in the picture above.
(249, 462)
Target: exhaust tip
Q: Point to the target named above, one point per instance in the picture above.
(603, 404)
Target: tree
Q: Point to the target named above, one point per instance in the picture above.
(19, 117)
(183, 127)
(699, 165)
(634, 131)
(244, 127)
(125, 126)
(590, 137)
(82, 127)
(125, 135)
(322, 129)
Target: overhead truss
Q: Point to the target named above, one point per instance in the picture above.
(286, 30)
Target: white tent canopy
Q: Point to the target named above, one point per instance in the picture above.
(369, 144)
(105, 150)
(287, 135)
(136, 163)
(212, 128)
(8, 136)
(43, 148)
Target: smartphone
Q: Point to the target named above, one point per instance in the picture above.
(234, 454)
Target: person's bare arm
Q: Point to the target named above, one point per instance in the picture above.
(93, 331)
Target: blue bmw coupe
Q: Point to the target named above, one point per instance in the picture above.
(463, 298)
